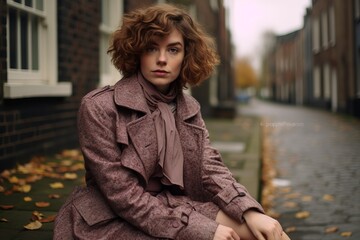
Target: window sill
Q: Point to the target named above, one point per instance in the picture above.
(17, 90)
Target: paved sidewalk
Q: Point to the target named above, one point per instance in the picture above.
(317, 156)
(44, 183)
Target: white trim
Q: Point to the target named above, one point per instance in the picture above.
(44, 82)
(16, 90)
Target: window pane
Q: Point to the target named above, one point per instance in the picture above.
(40, 5)
(18, 1)
(13, 38)
(35, 43)
(24, 40)
(29, 3)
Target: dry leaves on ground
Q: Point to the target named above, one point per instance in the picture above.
(346, 234)
(33, 225)
(331, 229)
(302, 214)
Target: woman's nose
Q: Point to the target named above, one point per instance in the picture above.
(162, 60)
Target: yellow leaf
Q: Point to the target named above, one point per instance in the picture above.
(328, 197)
(66, 163)
(13, 179)
(290, 229)
(25, 188)
(36, 216)
(290, 204)
(56, 185)
(70, 176)
(306, 198)
(27, 199)
(33, 225)
(42, 204)
(292, 195)
(331, 229)
(303, 214)
(346, 234)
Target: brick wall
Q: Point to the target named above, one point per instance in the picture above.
(3, 64)
(35, 126)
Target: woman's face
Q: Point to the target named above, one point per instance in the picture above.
(162, 59)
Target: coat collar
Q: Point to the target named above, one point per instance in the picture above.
(128, 93)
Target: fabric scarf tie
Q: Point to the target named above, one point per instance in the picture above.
(170, 152)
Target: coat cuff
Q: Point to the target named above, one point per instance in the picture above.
(198, 227)
(234, 200)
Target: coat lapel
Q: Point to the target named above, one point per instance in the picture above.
(141, 155)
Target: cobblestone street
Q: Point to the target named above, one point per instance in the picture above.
(317, 156)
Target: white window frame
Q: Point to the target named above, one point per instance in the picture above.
(316, 34)
(42, 82)
(109, 75)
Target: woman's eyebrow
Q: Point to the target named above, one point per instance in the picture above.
(175, 43)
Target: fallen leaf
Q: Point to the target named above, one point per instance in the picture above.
(14, 179)
(70, 176)
(77, 167)
(290, 229)
(6, 207)
(290, 204)
(3, 220)
(36, 216)
(42, 204)
(346, 234)
(66, 163)
(25, 188)
(5, 174)
(303, 214)
(27, 199)
(56, 185)
(306, 198)
(48, 219)
(328, 197)
(33, 225)
(2, 189)
(292, 195)
(54, 196)
(331, 229)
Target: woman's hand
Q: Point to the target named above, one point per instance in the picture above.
(225, 233)
(262, 226)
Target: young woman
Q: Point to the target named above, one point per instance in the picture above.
(151, 172)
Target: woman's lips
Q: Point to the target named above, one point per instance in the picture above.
(160, 73)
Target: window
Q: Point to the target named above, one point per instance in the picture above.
(357, 9)
(317, 82)
(332, 26)
(111, 13)
(324, 30)
(316, 34)
(327, 82)
(32, 50)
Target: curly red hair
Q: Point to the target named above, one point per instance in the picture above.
(138, 29)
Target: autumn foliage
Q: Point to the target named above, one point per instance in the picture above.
(245, 75)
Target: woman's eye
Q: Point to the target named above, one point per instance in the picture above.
(173, 50)
(150, 49)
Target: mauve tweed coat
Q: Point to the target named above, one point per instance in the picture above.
(118, 140)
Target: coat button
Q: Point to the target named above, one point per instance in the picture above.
(242, 194)
(175, 224)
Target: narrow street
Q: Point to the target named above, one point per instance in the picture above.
(317, 155)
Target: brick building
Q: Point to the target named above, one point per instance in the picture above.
(52, 53)
(327, 59)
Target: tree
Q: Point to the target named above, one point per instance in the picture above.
(245, 75)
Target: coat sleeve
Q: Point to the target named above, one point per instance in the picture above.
(121, 186)
(229, 195)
